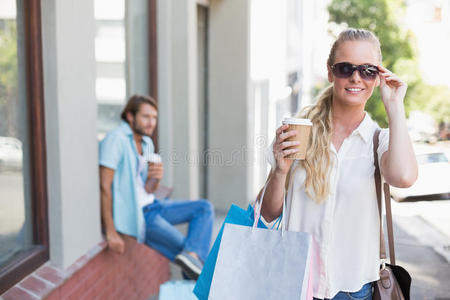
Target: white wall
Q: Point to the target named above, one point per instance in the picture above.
(229, 69)
(178, 120)
(70, 114)
(179, 124)
(137, 60)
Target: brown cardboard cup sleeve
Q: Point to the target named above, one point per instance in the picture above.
(303, 128)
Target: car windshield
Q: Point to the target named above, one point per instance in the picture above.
(431, 158)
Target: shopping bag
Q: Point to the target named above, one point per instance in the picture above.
(235, 215)
(257, 263)
(261, 264)
(176, 290)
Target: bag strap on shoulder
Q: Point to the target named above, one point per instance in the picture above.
(387, 198)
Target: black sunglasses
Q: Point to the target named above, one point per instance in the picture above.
(345, 70)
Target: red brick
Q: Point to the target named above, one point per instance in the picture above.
(93, 291)
(82, 293)
(51, 274)
(121, 294)
(36, 286)
(54, 295)
(76, 294)
(94, 275)
(83, 260)
(104, 275)
(80, 276)
(99, 287)
(100, 260)
(94, 252)
(115, 294)
(72, 269)
(109, 275)
(127, 295)
(69, 287)
(106, 291)
(16, 293)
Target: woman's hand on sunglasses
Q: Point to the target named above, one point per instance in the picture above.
(282, 148)
(392, 88)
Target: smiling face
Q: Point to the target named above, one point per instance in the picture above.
(354, 90)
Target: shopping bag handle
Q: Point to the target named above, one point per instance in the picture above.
(257, 210)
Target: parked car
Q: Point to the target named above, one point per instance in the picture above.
(433, 181)
(10, 154)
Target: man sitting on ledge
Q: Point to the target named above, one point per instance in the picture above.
(128, 182)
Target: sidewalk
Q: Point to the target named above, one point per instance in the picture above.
(432, 225)
(430, 271)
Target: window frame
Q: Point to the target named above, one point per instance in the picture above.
(27, 261)
(153, 59)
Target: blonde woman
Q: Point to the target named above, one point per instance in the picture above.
(331, 194)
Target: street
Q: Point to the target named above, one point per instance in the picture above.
(12, 212)
(422, 240)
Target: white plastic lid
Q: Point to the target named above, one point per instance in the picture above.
(297, 121)
(154, 158)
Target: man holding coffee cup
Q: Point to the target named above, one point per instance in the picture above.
(130, 173)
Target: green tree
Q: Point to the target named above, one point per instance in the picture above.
(8, 76)
(383, 18)
(435, 100)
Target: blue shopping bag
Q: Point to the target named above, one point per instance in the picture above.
(238, 216)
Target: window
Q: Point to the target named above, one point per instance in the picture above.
(23, 209)
(126, 58)
(110, 55)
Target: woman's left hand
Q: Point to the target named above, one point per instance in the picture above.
(392, 88)
(398, 164)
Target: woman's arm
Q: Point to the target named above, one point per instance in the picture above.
(272, 204)
(398, 164)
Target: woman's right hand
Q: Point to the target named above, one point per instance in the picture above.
(281, 148)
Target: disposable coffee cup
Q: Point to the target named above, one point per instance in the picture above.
(154, 158)
(303, 128)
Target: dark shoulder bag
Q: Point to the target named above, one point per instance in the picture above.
(394, 282)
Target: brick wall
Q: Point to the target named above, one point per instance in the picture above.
(136, 274)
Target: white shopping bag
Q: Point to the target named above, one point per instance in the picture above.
(256, 263)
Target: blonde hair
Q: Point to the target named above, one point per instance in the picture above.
(317, 163)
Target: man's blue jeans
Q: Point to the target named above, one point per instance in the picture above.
(161, 234)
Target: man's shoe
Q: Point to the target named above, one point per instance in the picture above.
(189, 264)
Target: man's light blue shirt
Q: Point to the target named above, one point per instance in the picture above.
(117, 151)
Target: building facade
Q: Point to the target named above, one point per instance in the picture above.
(224, 73)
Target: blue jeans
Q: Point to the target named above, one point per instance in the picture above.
(365, 293)
(161, 234)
